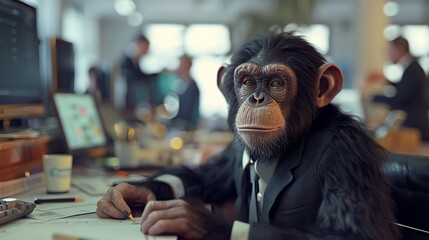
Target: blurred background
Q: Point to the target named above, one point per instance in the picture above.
(352, 34)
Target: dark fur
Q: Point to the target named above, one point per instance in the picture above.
(355, 200)
(356, 195)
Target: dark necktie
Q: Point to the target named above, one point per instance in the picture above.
(254, 206)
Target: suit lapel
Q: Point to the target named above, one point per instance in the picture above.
(281, 178)
(243, 186)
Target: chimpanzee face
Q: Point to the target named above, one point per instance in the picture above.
(265, 95)
(274, 86)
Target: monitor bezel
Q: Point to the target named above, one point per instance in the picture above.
(85, 152)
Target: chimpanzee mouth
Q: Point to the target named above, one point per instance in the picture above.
(251, 128)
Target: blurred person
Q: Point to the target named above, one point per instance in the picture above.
(410, 93)
(94, 82)
(141, 87)
(188, 95)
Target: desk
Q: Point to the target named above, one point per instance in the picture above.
(87, 225)
(72, 219)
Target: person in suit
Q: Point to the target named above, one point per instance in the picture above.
(94, 83)
(410, 93)
(189, 97)
(297, 168)
(141, 87)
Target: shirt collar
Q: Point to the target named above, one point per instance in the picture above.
(246, 159)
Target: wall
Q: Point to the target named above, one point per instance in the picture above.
(114, 37)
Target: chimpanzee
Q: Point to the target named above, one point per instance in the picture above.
(298, 168)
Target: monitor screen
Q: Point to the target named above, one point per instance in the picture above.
(20, 84)
(80, 121)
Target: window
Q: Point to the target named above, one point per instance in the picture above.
(208, 44)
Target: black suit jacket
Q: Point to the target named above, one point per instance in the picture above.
(330, 186)
(411, 97)
(189, 107)
(141, 87)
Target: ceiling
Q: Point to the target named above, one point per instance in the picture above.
(201, 11)
(181, 10)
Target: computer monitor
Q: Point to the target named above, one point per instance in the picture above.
(21, 88)
(81, 124)
(62, 58)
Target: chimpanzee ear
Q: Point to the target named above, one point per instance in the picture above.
(220, 78)
(330, 83)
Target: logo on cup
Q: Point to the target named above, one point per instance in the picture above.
(60, 172)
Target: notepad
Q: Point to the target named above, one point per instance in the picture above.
(85, 228)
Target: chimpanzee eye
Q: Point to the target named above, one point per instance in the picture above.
(276, 83)
(249, 82)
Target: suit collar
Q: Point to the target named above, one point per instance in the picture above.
(282, 177)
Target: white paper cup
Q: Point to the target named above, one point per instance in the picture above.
(57, 168)
(127, 153)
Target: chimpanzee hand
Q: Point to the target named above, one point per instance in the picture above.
(188, 219)
(115, 203)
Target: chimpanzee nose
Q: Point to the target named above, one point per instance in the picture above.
(257, 99)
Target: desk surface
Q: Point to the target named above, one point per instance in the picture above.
(85, 227)
(75, 219)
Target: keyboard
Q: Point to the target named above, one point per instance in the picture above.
(11, 209)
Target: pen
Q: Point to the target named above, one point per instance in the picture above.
(56, 200)
(131, 217)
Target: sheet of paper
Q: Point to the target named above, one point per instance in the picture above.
(90, 228)
(62, 213)
(95, 189)
(51, 211)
